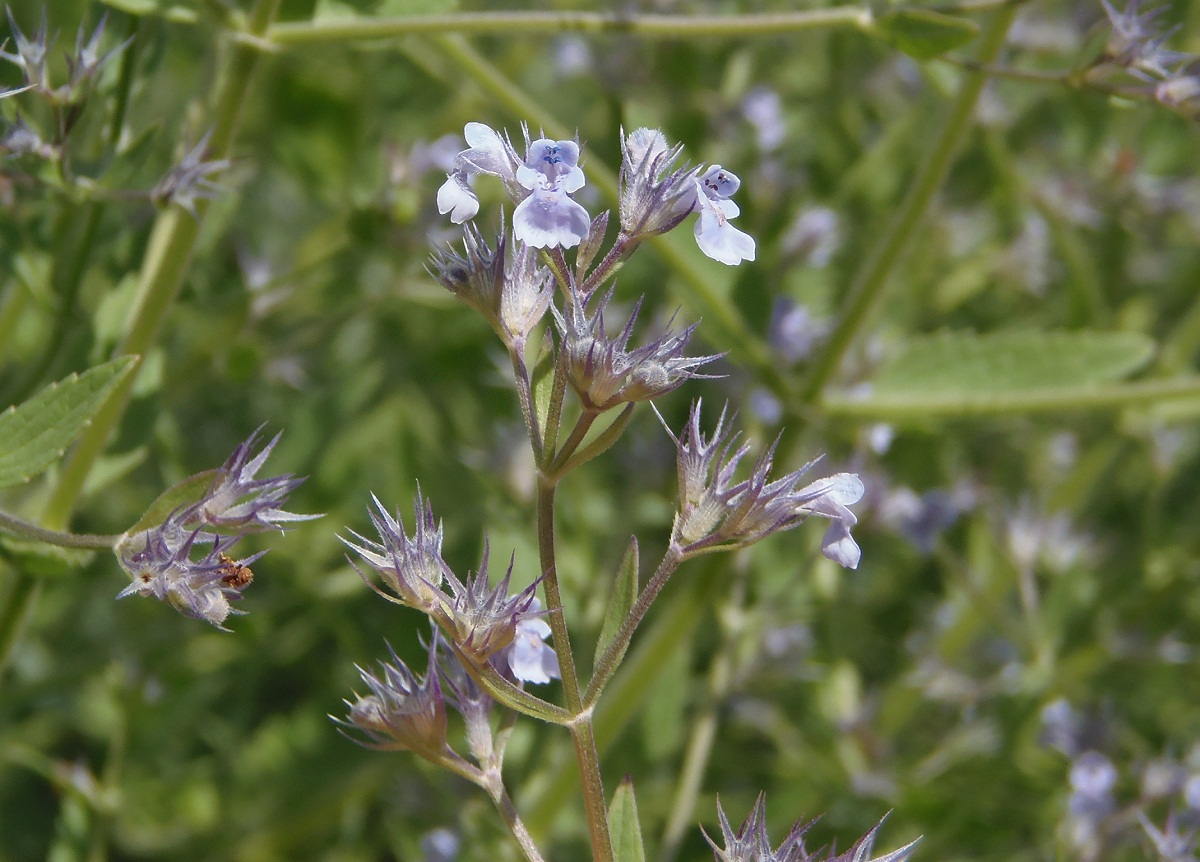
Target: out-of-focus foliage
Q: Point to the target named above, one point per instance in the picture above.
(1009, 561)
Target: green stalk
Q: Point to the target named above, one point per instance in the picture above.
(14, 526)
(869, 285)
(544, 23)
(582, 734)
(168, 255)
(1117, 396)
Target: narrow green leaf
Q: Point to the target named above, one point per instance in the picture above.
(923, 33)
(974, 366)
(620, 601)
(664, 719)
(36, 432)
(543, 382)
(623, 825)
(183, 493)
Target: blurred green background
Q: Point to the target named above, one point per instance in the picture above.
(1009, 561)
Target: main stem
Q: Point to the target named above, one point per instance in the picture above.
(581, 729)
(868, 287)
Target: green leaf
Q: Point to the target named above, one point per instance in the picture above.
(183, 493)
(663, 719)
(923, 33)
(543, 382)
(35, 433)
(976, 366)
(623, 826)
(620, 602)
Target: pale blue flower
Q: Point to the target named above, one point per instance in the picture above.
(529, 657)
(488, 152)
(715, 235)
(548, 217)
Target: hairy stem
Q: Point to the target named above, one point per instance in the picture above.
(581, 730)
(14, 526)
(608, 663)
(504, 804)
(538, 23)
(869, 284)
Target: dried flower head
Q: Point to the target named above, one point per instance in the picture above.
(412, 567)
(190, 180)
(510, 290)
(750, 843)
(31, 52)
(655, 195)
(183, 559)
(605, 373)
(483, 619)
(403, 710)
(160, 562)
(716, 510)
(1136, 41)
(237, 501)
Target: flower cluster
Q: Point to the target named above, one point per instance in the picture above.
(655, 195)
(485, 623)
(1136, 45)
(183, 559)
(84, 64)
(750, 843)
(715, 510)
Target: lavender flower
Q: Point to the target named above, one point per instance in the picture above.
(752, 844)
(529, 657)
(403, 710)
(474, 704)
(487, 153)
(412, 568)
(1170, 844)
(189, 181)
(159, 557)
(548, 217)
(86, 63)
(605, 373)
(655, 195)
(715, 235)
(717, 511)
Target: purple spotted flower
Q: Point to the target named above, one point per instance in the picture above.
(715, 234)
(548, 217)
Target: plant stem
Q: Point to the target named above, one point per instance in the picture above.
(608, 663)
(582, 425)
(541, 23)
(504, 804)
(1117, 396)
(704, 725)
(868, 286)
(516, 353)
(14, 526)
(581, 730)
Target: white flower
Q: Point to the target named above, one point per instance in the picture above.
(529, 656)
(487, 153)
(716, 237)
(549, 217)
